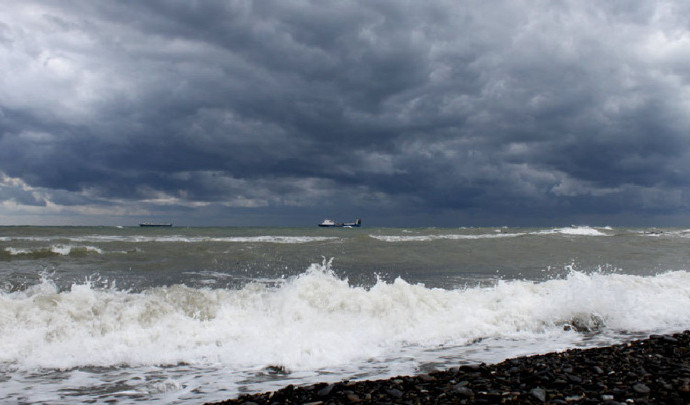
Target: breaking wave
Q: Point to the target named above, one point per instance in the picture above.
(53, 250)
(318, 320)
(428, 238)
(576, 230)
(496, 234)
(172, 238)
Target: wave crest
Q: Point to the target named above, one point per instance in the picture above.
(49, 251)
(317, 319)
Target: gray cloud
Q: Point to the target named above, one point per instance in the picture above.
(467, 110)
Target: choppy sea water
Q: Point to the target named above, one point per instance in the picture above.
(170, 315)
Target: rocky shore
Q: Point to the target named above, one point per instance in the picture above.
(649, 371)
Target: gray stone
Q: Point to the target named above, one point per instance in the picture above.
(538, 394)
(462, 390)
(573, 378)
(325, 391)
(426, 378)
(396, 393)
(641, 388)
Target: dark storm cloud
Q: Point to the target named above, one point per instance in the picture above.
(508, 108)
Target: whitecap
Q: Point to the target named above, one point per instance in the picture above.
(318, 320)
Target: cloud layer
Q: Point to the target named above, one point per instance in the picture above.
(450, 112)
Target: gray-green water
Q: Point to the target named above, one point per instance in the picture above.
(176, 314)
(144, 257)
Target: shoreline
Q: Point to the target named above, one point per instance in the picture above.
(655, 370)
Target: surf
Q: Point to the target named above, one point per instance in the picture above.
(317, 320)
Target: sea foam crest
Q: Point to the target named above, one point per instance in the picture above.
(317, 319)
(576, 230)
(52, 250)
(172, 238)
(497, 234)
(428, 238)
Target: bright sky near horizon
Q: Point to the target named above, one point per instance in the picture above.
(407, 113)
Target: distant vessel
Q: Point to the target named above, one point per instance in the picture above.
(155, 224)
(329, 223)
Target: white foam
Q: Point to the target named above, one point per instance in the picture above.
(576, 230)
(173, 238)
(17, 251)
(275, 239)
(69, 249)
(58, 249)
(497, 233)
(428, 238)
(317, 320)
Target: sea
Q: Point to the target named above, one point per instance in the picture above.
(191, 315)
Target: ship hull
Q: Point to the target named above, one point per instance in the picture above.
(330, 224)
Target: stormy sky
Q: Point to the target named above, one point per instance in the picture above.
(439, 113)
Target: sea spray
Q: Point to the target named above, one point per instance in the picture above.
(318, 320)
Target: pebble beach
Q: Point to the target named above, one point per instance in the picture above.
(655, 370)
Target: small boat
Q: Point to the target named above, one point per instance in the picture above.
(156, 224)
(329, 223)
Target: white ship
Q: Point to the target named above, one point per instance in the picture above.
(329, 223)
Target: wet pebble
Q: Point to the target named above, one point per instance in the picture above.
(539, 394)
(649, 371)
